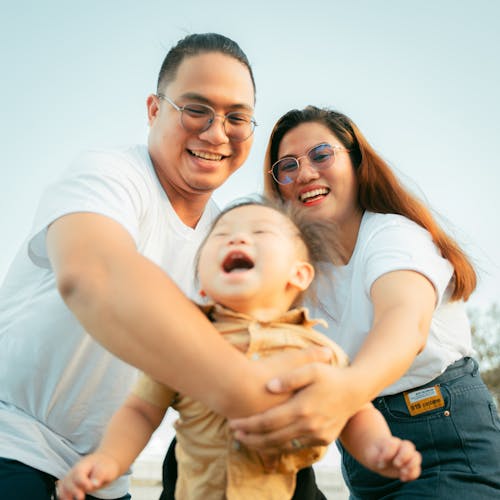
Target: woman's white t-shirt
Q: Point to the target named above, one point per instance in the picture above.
(386, 243)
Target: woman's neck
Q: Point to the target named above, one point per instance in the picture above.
(349, 234)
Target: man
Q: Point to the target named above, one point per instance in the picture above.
(94, 264)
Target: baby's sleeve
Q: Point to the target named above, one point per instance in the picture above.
(153, 392)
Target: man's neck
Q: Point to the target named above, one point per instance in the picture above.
(190, 211)
(188, 206)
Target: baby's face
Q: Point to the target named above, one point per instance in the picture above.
(249, 257)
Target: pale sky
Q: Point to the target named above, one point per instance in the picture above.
(421, 80)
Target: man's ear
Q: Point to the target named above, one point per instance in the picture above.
(153, 106)
(301, 275)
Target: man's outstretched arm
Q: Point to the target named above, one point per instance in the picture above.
(131, 307)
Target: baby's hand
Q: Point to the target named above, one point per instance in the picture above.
(396, 458)
(89, 474)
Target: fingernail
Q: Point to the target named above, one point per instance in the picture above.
(274, 384)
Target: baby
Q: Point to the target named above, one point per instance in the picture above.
(253, 267)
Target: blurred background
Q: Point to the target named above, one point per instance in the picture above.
(420, 79)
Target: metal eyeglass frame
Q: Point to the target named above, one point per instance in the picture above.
(210, 121)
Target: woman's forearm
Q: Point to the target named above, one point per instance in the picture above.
(386, 355)
(403, 306)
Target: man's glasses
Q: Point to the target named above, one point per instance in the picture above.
(321, 157)
(199, 117)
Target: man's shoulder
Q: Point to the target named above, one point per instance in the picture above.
(132, 156)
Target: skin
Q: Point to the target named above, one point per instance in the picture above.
(111, 288)
(190, 166)
(266, 291)
(279, 263)
(403, 301)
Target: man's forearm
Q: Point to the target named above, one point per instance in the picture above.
(157, 329)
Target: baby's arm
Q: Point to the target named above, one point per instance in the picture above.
(367, 437)
(127, 434)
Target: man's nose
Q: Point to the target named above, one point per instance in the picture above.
(215, 133)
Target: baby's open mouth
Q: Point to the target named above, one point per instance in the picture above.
(237, 261)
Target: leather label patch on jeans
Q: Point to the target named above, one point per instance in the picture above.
(423, 400)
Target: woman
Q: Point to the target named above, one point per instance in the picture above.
(396, 306)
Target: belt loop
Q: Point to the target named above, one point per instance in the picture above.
(475, 370)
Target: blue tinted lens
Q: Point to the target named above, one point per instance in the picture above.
(287, 165)
(285, 170)
(321, 155)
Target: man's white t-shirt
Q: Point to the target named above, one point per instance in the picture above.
(59, 387)
(388, 242)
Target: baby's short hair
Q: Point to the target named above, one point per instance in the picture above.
(319, 236)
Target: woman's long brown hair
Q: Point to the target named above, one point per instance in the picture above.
(379, 189)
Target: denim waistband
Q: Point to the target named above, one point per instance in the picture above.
(459, 368)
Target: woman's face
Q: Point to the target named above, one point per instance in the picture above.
(331, 193)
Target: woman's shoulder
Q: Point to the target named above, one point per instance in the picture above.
(385, 224)
(392, 231)
(373, 220)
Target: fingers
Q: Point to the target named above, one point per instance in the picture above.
(313, 414)
(75, 485)
(88, 475)
(267, 422)
(294, 380)
(408, 460)
(399, 458)
(282, 428)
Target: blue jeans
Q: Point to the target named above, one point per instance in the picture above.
(459, 443)
(21, 482)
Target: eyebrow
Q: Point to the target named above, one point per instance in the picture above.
(193, 96)
(323, 143)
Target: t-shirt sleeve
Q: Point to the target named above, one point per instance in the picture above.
(98, 182)
(153, 392)
(404, 245)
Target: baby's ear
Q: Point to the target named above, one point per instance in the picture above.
(301, 275)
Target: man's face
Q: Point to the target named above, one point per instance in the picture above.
(189, 164)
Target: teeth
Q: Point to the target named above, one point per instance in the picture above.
(313, 193)
(206, 155)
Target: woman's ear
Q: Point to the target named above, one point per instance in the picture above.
(301, 275)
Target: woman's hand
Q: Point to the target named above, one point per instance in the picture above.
(314, 415)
